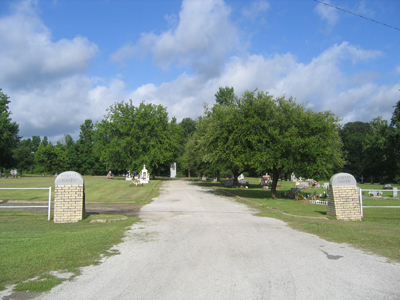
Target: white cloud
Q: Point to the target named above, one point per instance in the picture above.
(28, 55)
(43, 78)
(327, 13)
(255, 8)
(321, 83)
(201, 40)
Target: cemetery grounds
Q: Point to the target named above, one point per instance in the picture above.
(31, 246)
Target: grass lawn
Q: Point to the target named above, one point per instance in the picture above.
(31, 246)
(98, 190)
(378, 233)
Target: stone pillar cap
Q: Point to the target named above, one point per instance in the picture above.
(69, 178)
(341, 179)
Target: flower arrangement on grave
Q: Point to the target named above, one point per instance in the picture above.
(13, 173)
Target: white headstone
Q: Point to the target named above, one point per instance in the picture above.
(144, 176)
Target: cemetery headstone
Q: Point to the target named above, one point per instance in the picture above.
(303, 185)
(362, 179)
(372, 180)
(293, 177)
(294, 192)
(69, 198)
(395, 192)
(344, 203)
(326, 185)
(229, 182)
(144, 176)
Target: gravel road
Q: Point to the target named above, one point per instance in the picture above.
(195, 245)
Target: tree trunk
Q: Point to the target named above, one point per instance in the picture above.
(275, 177)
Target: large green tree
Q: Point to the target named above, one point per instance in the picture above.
(188, 128)
(258, 131)
(9, 138)
(52, 158)
(378, 155)
(354, 137)
(394, 142)
(129, 137)
(88, 161)
(68, 146)
(24, 158)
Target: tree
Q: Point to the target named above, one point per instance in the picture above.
(354, 135)
(257, 131)
(45, 142)
(88, 162)
(225, 96)
(188, 128)
(378, 158)
(9, 138)
(394, 142)
(68, 146)
(35, 142)
(130, 137)
(53, 158)
(24, 158)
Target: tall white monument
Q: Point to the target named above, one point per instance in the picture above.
(173, 170)
(144, 175)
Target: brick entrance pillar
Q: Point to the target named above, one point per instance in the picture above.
(344, 202)
(69, 198)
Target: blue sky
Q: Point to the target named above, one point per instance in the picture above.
(65, 61)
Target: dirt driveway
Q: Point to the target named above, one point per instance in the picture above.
(193, 244)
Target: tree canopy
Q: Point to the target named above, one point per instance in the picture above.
(9, 138)
(129, 137)
(258, 131)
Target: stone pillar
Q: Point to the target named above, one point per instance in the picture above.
(69, 198)
(344, 202)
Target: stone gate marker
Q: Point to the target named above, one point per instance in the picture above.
(344, 203)
(69, 198)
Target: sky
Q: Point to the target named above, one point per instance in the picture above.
(65, 61)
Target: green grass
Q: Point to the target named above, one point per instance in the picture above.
(31, 246)
(378, 233)
(98, 190)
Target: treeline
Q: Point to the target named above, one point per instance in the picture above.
(252, 134)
